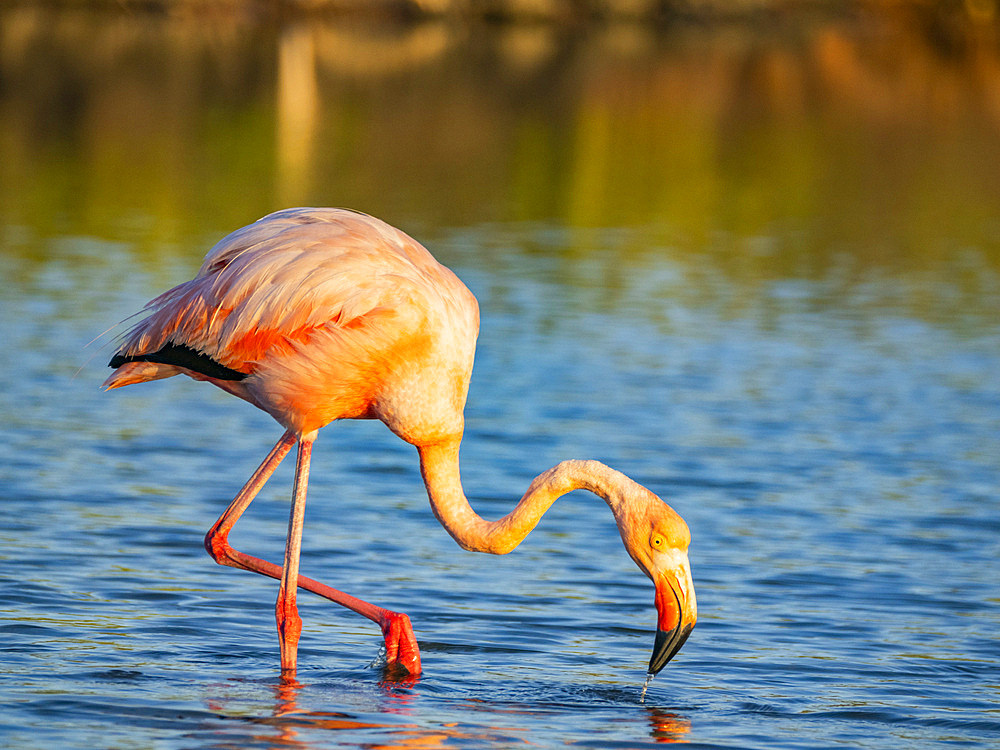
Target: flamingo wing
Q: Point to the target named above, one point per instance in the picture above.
(275, 281)
(305, 313)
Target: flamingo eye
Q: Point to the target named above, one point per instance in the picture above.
(658, 542)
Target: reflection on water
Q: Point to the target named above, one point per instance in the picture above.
(667, 727)
(292, 726)
(755, 265)
(871, 137)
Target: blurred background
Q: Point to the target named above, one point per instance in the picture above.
(858, 134)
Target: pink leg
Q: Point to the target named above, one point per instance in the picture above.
(400, 643)
(286, 613)
(217, 538)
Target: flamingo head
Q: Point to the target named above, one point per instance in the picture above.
(657, 539)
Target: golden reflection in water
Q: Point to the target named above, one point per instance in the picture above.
(356, 51)
(297, 113)
(872, 137)
(367, 52)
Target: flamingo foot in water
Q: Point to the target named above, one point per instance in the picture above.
(401, 652)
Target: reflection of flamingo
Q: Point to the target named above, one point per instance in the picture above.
(320, 314)
(668, 727)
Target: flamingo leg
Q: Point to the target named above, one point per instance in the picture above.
(286, 613)
(400, 643)
(217, 538)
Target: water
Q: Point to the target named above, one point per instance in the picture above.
(816, 395)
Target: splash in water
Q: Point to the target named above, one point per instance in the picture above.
(380, 661)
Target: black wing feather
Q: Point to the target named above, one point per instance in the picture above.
(182, 356)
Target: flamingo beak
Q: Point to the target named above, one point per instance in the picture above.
(676, 615)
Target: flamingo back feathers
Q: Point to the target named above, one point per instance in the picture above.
(325, 311)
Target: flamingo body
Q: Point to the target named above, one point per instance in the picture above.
(320, 314)
(326, 314)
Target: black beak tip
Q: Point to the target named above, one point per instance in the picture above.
(666, 645)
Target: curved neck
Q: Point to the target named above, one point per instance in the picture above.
(439, 466)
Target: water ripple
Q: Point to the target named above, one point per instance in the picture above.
(839, 482)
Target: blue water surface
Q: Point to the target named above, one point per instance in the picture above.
(834, 447)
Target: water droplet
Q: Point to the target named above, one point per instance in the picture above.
(645, 686)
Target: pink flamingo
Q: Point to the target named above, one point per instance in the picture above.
(318, 314)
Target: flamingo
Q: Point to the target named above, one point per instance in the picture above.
(320, 314)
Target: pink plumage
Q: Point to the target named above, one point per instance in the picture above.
(330, 314)
(319, 314)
